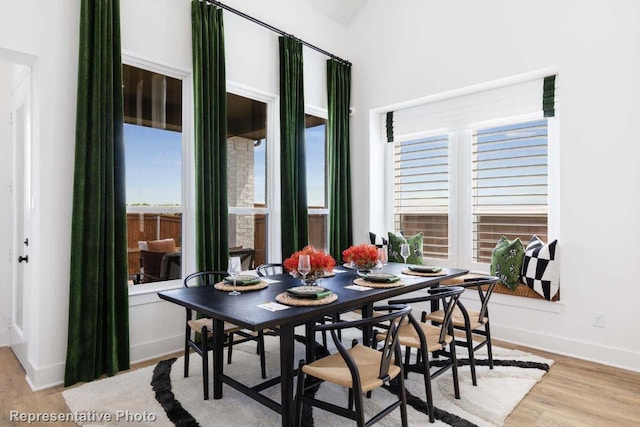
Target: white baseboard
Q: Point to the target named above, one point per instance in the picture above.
(4, 338)
(610, 356)
(43, 378)
(157, 348)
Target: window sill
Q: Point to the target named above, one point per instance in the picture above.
(148, 292)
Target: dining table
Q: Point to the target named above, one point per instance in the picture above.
(258, 310)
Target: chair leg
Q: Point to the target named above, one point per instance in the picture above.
(488, 339)
(186, 351)
(407, 359)
(297, 417)
(205, 362)
(263, 369)
(403, 400)
(454, 368)
(472, 356)
(229, 347)
(427, 384)
(359, 404)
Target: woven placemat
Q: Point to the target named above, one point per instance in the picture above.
(228, 287)
(360, 281)
(420, 273)
(284, 298)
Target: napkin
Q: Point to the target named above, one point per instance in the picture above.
(243, 282)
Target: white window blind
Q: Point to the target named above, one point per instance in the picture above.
(509, 184)
(422, 192)
(460, 112)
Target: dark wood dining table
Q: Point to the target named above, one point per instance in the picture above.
(243, 310)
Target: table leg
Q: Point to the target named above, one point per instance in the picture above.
(286, 374)
(218, 359)
(310, 338)
(367, 312)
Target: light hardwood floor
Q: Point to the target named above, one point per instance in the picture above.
(574, 393)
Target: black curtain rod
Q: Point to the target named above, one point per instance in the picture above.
(276, 30)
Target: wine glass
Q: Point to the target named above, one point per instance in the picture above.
(404, 252)
(304, 266)
(382, 256)
(235, 267)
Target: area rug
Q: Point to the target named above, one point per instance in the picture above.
(160, 395)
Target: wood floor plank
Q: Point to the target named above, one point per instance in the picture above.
(574, 393)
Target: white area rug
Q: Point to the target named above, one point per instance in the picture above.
(130, 400)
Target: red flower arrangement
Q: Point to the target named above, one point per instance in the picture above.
(321, 262)
(361, 256)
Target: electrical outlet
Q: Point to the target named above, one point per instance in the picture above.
(598, 320)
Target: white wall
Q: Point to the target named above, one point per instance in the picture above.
(5, 212)
(417, 48)
(46, 34)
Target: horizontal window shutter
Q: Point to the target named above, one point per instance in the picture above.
(422, 192)
(509, 185)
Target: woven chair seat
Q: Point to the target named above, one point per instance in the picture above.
(458, 319)
(409, 337)
(334, 369)
(196, 326)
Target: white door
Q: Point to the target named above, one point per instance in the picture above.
(21, 185)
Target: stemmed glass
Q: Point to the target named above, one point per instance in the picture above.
(382, 256)
(304, 266)
(404, 252)
(235, 267)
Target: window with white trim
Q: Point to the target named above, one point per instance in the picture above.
(473, 165)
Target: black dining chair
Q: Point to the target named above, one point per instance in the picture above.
(270, 269)
(438, 341)
(199, 331)
(472, 322)
(361, 369)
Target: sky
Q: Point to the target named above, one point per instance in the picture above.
(154, 158)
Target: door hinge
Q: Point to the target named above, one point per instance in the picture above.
(11, 118)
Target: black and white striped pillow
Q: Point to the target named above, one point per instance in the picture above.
(540, 269)
(378, 240)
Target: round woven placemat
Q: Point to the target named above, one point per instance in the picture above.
(228, 287)
(424, 274)
(284, 298)
(360, 281)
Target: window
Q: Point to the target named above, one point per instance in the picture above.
(472, 167)
(509, 185)
(421, 191)
(247, 177)
(153, 156)
(315, 146)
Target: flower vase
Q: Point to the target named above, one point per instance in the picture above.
(313, 277)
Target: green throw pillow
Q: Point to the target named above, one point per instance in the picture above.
(415, 248)
(506, 261)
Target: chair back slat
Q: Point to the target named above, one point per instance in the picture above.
(270, 269)
(485, 287)
(448, 297)
(203, 278)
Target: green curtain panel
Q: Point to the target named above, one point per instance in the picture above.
(295, 221)
(98, 339)
(210, 104)
(549, 96)
(339, 99)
